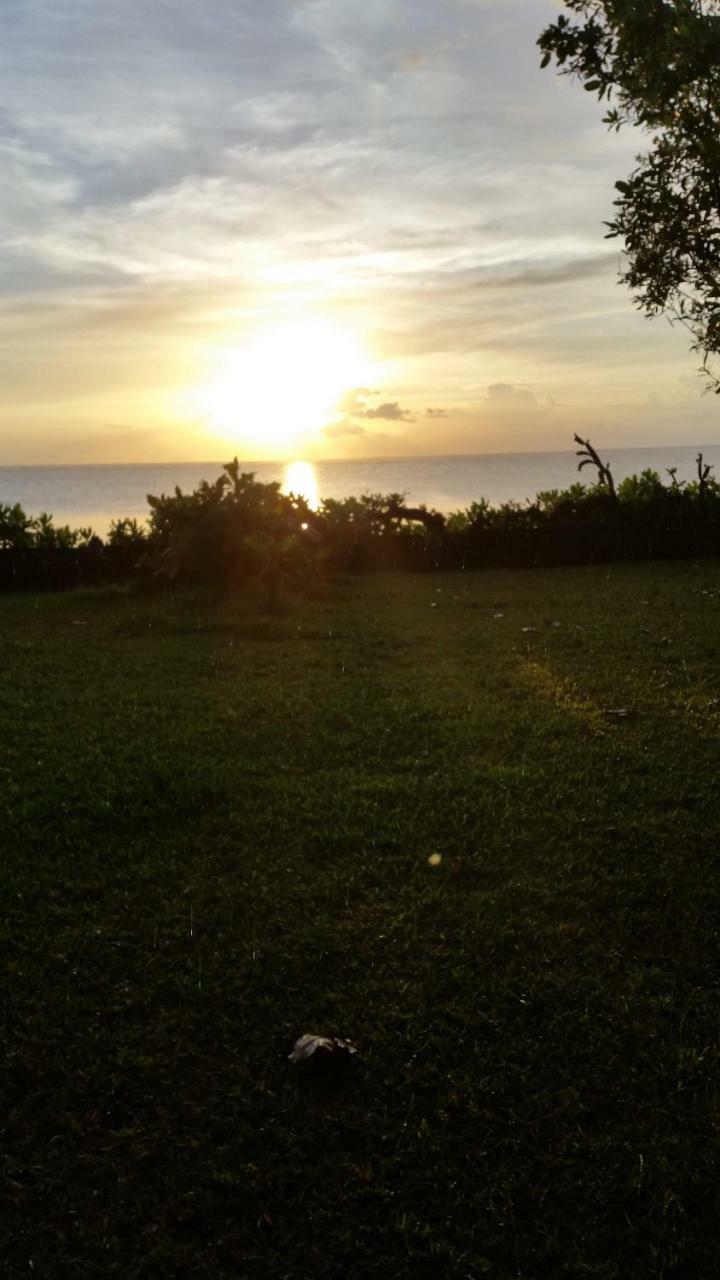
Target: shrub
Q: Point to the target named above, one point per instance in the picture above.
(126, 533)
(235, 531)
(16, 528)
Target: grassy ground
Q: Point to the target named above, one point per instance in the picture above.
(215, 836)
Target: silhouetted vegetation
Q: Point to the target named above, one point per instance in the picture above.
(234, 532)
(238, 533)
(656, 63)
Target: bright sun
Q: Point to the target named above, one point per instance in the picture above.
(286, 383)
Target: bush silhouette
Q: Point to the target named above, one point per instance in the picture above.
(237, 532)
(233, 532)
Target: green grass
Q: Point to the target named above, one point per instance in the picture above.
(215, 833)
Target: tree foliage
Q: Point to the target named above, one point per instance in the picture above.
(656, 63)
(21, 531)
(237, 533)
(232, 532)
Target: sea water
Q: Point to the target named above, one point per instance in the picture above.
(95, 495)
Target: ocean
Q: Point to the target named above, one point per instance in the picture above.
(95, 495)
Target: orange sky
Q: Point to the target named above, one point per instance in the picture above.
(309, 227)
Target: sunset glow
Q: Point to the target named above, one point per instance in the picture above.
(300, 479)
(286, 384)
(314, 230)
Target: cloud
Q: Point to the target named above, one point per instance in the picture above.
(389, 412)
(191, 172)
(504, 395)
(355, 405)
(543, 276)
(355, 401)
(206, 142)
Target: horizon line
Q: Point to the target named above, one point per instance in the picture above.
(404, 457)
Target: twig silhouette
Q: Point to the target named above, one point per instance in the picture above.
(590, 458)
(704, 470)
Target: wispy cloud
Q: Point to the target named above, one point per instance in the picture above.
(391, 411)
(177, 175)
(503, 395)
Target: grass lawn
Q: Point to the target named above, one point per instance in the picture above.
(215, 832)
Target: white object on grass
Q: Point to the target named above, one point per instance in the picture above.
(308, 1045)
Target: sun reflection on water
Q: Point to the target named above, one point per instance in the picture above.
(300, 479)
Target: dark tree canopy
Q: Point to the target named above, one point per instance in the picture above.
(656, 63)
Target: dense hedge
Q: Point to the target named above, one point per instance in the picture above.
(237, 532)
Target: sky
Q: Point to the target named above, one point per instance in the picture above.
(316, 228)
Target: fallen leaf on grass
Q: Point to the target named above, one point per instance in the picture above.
(308, 1045)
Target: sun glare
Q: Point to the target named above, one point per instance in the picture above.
(301, 480)
(287, 383)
